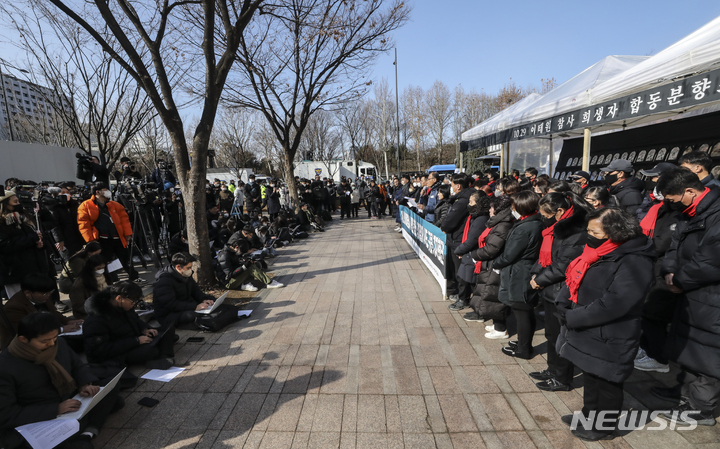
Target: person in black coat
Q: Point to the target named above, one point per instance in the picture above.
(479, 209)
(599, 308)
(563, 241)
(344, 192)
(443, 205)
(113, 331)
(453, 226)
(515, 264)
(485, 302)
(625, 188)
(39, 375)
(691, 268)
(176, 295)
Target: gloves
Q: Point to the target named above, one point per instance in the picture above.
(561, 318)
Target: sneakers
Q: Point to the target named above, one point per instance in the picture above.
(641, 353)
(140, 281)
(473, 317)
(552, 384)
(275, 284)
(248, 288)
(136, 259)
(649, 364)
(686, 414)
(541, 375)
(458, 305)
(489, 327)
(147, 258)
(496, 335)
(286, 242)
(399, 231)
(452, 298)
(62, 307)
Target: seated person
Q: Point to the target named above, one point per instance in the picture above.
(75, 264)
(176, 295)
(266, 239)
(305, 218)
(93, 278)
(237, 268)
(35, 295)
(179, 243)
(39, 374)
(113, 331)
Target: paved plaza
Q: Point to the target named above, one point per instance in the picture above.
(360, 351)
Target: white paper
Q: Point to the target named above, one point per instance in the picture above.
(256, 253)
(411, 202)
(162, 375)
(244, 312)
(77, 332)
(87, 403)
(114, 265)
(143, 312)
(47, 434)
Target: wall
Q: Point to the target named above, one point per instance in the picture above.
(35, 162)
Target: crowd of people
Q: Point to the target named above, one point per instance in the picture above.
(623, 272)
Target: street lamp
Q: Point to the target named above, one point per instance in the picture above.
(7, 107)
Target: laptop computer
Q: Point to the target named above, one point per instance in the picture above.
(215, 305)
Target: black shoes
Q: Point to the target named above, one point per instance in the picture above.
(567, 419)
(552, 384)
(513, 352)
(458, 305)
(685, 414)
(537, 375)
(592, 435)
(473, 317)
(512, 344)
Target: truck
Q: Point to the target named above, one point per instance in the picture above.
(336, 169)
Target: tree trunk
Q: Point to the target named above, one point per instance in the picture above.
(292, 187)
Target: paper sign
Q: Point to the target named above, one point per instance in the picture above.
(47, 434)
(162, 375)
(244, 312)
(114, 265)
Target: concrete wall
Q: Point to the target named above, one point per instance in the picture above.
(35, 162)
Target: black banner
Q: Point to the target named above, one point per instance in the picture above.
(682, 94)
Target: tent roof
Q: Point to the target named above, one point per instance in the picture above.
(492, 124)
(695, 53)
(445, 167)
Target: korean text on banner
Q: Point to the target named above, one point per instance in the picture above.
(428, 242)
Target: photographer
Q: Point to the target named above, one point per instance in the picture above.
(106, 221)
(62, 226)
(162, 176)
(89, 169)
(127, 170)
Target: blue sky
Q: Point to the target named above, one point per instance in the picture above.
(483, 44)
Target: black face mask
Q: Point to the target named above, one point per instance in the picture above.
(547, 222)
(611, 179)
(19, 209)
(474, 210)
(676, 206)
(594, 242)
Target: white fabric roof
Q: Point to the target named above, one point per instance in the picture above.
(493, 124)
(698, 52)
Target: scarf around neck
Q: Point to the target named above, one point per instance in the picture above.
(60, 378)
(692, 209)
(481, 244)
(648, 223)
(578, 268)
(466, 231)
(548, 239)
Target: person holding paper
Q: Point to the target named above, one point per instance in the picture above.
(35, 295)
(113, 331)
(237, 269)
(39, 375)
(93, 278)
(176, 295)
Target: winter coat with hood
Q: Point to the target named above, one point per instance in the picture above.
(488, 282)
(569, 242)
(694, 260)
(88, 214)
(174, 294)
(629, 194)
(432, 202)
(522, 248)
(466, 272)
(454, 222)
(602, 333)
(109, 331)
(441, 210)
(19, 254)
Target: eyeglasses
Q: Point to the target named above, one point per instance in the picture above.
(130, 300)
(47, 294)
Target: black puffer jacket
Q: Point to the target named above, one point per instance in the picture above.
(174, 294)
(488, 282)
(694, 259)
(517, 259)
(19, 254)
(109, 331)
(466, 272)
(441, 211)
(568, 244)
(629, 194)
(603, 329)
(454, 222)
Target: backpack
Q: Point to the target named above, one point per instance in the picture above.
(222, 317)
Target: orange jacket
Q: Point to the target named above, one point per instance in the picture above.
(88, 213)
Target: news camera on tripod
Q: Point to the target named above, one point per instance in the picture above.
(163, 177)
(90, 170)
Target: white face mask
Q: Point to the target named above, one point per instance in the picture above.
(187, 273)
(498, 193)
(100, 272)
(658, 195)
(516, 215)
(107, 194)
(452, 190)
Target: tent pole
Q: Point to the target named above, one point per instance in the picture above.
(503, 158)
(586, 150)
(550, 162)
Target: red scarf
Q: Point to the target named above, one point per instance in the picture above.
(481, 243)
(576, 270)
(690, 211)
(467, 228)
(525, 216)
(648, 223)
(548, 238)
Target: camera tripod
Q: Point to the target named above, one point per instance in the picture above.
(140, 217)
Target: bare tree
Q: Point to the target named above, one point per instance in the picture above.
(150, 144)
(439, 107)
(323, 141)
(415, 115)
(306, 55)
(233, 138)
(159, 45)
(384, 117)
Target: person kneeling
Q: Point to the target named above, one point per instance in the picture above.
(238, 269)
(39, 375)
(113, 331)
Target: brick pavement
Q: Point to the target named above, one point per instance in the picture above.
(360, 351)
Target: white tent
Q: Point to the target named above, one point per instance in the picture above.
(497, 121)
